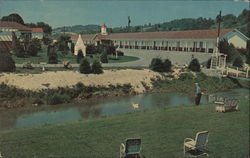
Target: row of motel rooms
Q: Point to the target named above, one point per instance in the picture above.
(188, 41)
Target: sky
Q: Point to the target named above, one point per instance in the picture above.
(114, 13)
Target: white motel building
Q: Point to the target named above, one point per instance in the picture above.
(187, 41)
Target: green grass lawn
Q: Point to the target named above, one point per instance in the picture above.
(162, 131)
(42, 57)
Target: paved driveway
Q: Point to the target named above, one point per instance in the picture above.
(179, 58)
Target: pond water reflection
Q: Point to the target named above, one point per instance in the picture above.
(103, 107)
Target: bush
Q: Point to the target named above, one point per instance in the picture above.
(57, 98)
(208, 63)
(97, 67)
(7, 64)
(104, 58)
(167, 65)
(53, 58)
(157, 65)
(238, 62)
(194, 65)
(84, 66)
(79, 56)
(33, 47)
(120, 53)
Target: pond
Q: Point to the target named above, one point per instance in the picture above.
(19, 118)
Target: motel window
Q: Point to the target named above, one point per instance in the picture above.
(201, 44)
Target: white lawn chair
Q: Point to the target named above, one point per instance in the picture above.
(198, 145)
(131, 148)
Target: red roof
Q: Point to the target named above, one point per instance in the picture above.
(37, 30)
(5, 46)
(14, 25)
(104, 26)
(188, 34)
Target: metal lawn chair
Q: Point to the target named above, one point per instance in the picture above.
(131, 148)
(197, 146)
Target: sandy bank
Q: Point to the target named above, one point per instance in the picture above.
(68, 78)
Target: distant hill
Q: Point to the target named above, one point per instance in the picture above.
(83, 29)
(240, 22)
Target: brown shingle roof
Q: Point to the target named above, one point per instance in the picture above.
(14, 25)
(188, 34)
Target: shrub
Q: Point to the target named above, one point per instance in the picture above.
(79, 56)
(97, 67)
(104, 58)
(238, 62)
(7, 64)
(167, 65)
(157, 65)
(186, 76)
(120, 53)
(208, 63)
(194, 65)
(57, 98)
(33, 47)
(84, 66)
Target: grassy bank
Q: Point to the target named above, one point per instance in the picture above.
(12, 97)
(208, 84)
(162, 131)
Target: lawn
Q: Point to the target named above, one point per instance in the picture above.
(162, 131)
(42, 57)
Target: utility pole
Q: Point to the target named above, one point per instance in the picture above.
(129, 21)
(218, 19)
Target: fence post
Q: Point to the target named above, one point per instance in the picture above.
(237, 73)
(247, 73)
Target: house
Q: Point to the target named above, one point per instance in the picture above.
(181, 41)
(37, 33)
(21, 31)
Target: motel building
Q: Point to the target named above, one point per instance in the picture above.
(203, 41)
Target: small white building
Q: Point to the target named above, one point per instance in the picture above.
(80, 46)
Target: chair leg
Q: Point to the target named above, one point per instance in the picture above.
(184, 151)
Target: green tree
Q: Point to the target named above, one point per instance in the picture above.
(238, 62)
(79, 56)
(97, 67)
(194, 65)
(17, 47)
(248, 52)
(13, 18)
(52, 55)
(226, 48)
(7, 64)
(104, 58)
(85, 66)
(157, 65)
(167, 65)
(33, 47)
(47, 40)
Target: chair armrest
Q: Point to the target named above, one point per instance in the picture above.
(188, 139)
(122, 148)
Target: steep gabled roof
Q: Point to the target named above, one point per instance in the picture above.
(14, 25)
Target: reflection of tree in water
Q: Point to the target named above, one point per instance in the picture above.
(90, 112)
